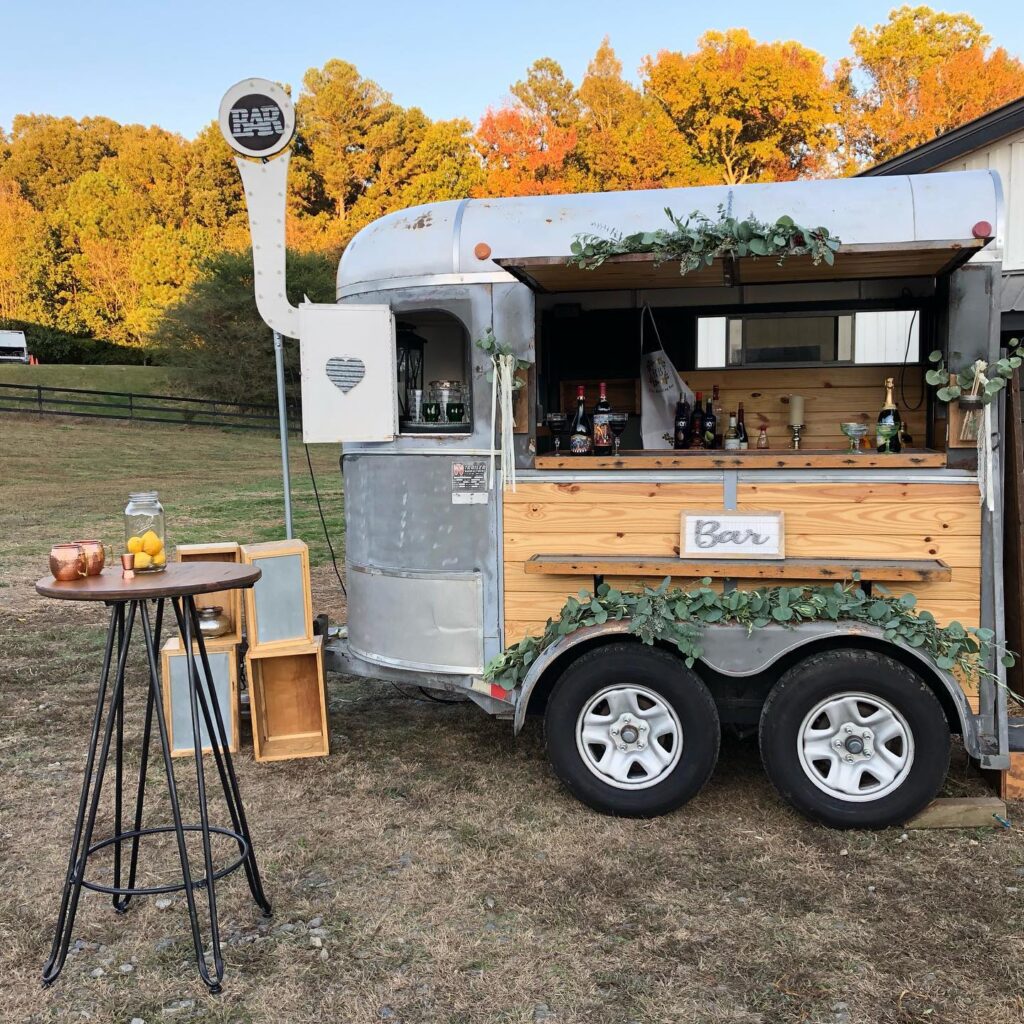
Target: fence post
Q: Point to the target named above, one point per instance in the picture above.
(39, 399)
(131, 406)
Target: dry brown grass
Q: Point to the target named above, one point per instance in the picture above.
(456, 880)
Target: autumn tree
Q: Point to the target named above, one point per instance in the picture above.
(748, 111)
(921, 73)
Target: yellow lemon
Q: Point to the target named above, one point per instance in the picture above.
(151, 543)
(160, 558)
(142, 560)
(134, 545)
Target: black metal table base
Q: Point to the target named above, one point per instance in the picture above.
(107, 731)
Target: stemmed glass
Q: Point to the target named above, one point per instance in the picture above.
(887, 431)
(556, 424)
(854, 431)
(617, 422)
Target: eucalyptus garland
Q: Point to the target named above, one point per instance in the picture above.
(677, 616)
(699, 240)
(980, 380)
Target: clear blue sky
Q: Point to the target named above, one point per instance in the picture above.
(166, 63)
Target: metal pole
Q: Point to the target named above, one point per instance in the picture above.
(282, 418)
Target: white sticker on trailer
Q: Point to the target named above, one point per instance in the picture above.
(469, 483)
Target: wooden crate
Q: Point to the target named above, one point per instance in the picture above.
(279, 608)
(286, 695)
(229, 600)
(223, 657)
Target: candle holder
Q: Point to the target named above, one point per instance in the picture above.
(796, 428)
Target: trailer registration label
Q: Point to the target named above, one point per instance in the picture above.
(732, 535)
(469, 483)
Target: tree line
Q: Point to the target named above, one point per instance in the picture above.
(108, 231)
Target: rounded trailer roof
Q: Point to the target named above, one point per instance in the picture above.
(438, 242)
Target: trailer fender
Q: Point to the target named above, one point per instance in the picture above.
(732, 651)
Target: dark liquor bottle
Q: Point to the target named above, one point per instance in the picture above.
(716, 405)
(710, 426)
(697, 422)
(581, 433)
(889, 417)
(602, 431)
(682, 430)
(741, 429)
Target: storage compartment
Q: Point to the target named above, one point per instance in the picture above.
(229, 600)
(289, 709)
(223, 658)
(279, 607)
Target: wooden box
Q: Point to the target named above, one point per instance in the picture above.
(287, 701)
(229, 600)
(279, 608)
(223, 658)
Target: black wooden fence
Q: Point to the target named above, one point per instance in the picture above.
(124, 405)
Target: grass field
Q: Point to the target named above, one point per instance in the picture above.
(454, 880)
(160, 380)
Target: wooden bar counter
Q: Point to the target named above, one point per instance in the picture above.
(771, 458)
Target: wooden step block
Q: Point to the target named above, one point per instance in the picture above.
(229, 600)
(960, 812)
(223, 657)
(279, 608)
(287, 701)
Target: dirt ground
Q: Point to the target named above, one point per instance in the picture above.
(432, 868)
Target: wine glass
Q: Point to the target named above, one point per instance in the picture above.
(556, 424)
(855, 432)
(887, 431)
(617, 422)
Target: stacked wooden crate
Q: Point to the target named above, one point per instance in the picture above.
(222, 653)
(284, 662)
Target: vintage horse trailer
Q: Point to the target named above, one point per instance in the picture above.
(446, 568)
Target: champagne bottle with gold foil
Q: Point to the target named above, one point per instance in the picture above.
(889, 416)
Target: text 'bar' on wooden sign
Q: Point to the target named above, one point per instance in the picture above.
(732, 535)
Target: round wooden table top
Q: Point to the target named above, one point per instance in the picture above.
(177, 580)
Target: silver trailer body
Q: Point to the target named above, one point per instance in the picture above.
(425, 574)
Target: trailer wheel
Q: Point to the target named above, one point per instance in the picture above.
(631, 731)
(854, 739)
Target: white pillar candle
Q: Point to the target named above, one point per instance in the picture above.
(796, 410)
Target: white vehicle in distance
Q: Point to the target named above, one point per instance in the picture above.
(13, 347)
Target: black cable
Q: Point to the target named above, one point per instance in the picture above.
(903, 370)
(323, 522)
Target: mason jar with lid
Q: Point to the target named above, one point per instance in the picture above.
(144, 533)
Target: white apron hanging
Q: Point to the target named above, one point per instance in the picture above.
(660, 388)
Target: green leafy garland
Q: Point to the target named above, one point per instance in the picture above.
(677, 616)
(979, 380)
(489, 343)
(699, 240)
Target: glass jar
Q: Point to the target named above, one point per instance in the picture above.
(213, 622)
(144, 533)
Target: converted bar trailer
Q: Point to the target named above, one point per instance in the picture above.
(447, 564)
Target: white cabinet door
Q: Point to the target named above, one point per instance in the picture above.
(348, 373)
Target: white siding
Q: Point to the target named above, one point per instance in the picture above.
(1006, 157)
(710, 341)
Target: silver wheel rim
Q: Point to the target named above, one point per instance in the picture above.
(629, 737)
(855, 747)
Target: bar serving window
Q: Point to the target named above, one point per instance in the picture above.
(803, 339)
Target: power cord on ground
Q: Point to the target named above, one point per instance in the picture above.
(323, 522)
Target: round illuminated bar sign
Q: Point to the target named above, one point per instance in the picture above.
(257, 118)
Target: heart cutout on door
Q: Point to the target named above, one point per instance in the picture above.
(345, 372)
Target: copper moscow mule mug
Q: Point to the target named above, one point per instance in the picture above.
(95, 555)
(68, 562)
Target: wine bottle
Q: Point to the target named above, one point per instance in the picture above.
(710, 425)
(602, 431)
(697, 422)
(732, 435)
(581, 433)
(889, 416)
(682, 427)
(716, 405)
(741, 429)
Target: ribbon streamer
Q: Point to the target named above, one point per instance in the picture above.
(501, 399)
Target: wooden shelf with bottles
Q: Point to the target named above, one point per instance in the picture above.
(777, 458)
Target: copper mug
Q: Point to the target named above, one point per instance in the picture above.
(95, 555)
(68, 562)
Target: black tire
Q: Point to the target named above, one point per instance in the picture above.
(677, 686)
(800, 690)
